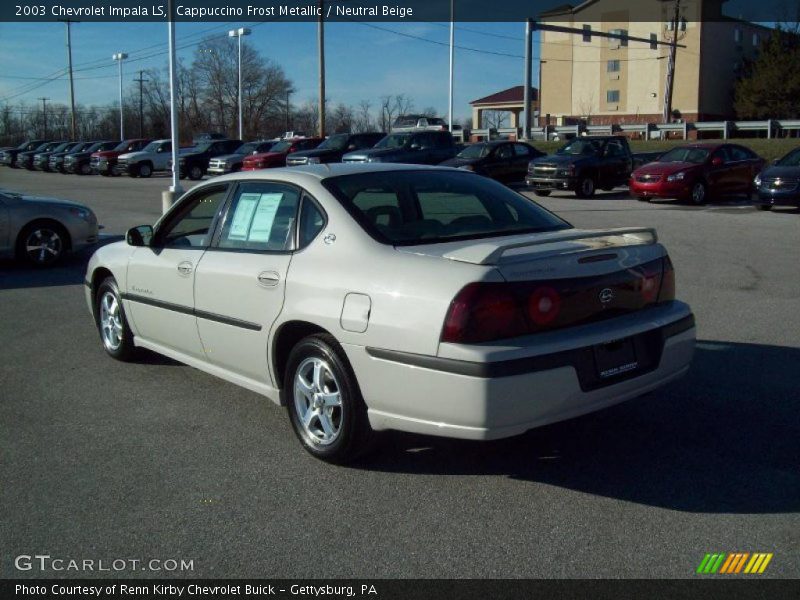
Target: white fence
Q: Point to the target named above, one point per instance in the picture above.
(726, 129)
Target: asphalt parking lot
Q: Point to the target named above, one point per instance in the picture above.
(103, 460)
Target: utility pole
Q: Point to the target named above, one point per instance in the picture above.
(44, 114)
(238, 33)
(673, 49)
(526, 93)
(69, 22)
(288, 111)
(321, 44)
(175, 190)
(141, 83)
(452, 58)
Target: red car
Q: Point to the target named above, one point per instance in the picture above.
(104, 162)
(697, 172)
(276, 157)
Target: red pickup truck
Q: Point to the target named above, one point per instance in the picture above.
(104, 162)
(276, 157)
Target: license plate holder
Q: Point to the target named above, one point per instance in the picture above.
(615, 358)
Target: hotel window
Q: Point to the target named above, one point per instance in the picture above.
(612, 96)
(616, 43)
(587, 33)
(612, 66)
(653, 41)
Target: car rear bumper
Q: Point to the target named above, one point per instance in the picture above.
(492, 400)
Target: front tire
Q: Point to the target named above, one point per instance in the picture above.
(115, 333)
(699, 193)
(542, 193)
(145, 170)
(325, 406)
(42, 244)
(765, 207)
(195, 173)
(586, 187)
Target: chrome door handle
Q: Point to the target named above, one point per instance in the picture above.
(185, 268)
(269, 278)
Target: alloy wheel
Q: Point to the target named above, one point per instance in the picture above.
(111, 329)
(44, 245)
(318, 401)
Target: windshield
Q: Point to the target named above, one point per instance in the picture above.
(202, 146)
(416, 207)
(790, 160)
(335, 142)
(60, 147)
(577, 147)
(475, 151)
(281, 146)
(396, 140)
(95, 147)
(247, 148)
(122, 146)
(690, 155)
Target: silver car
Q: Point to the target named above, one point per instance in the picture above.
(374, 297)
(41, 230)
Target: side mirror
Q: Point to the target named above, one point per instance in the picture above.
(139, 236)
(414, 146)
(775, 161)
(352, 147)
(717, 162)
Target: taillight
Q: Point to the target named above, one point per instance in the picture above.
(482, 312)
(667, 291)
(544, 305)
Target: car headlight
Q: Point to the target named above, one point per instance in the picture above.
(757, 180)
(81, 213)
(312, 160)
(677, 176)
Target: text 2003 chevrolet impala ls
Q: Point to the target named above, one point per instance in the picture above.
(372, 297)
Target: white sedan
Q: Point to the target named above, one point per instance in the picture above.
(375, 297)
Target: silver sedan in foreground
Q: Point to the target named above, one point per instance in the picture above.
(42, 230)
(374, 297)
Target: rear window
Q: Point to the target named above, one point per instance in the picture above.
(419, 207)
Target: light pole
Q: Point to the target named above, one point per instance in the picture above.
(175, 190)
(119, 57)
(452, 46)
(238, 33)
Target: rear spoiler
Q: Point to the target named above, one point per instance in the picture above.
(491, 253)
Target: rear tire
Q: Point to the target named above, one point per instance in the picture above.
(85, 169)
(195, 173)
(765, 207)
(642, 198)
(112, 325)
(145, 170)
(543, 193)
(586, 187)
(324, 402)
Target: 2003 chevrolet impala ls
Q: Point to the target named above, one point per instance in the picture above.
(373, 297)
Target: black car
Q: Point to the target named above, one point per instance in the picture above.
(41, 160)
(79, 162)
(501, 160)
(417, 148)
(25, 159)
(56, 160)
(779, 184)
(194, 163)
(8, 157)
(334, 148)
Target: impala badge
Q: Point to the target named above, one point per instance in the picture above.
(606, 295)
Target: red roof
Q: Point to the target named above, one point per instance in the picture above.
(512, 94)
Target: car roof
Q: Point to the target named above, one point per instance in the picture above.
(324, 171)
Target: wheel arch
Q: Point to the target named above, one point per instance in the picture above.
(285, 338)
(98, 276)
(45, 221)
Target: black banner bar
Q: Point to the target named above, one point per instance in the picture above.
(657, 11)
(746, 587)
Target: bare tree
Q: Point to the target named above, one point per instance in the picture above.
(362, 120)
(494, 119)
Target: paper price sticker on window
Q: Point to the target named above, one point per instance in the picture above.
(254, 216)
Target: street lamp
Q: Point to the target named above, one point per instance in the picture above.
(238, 33)
(119, 57)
